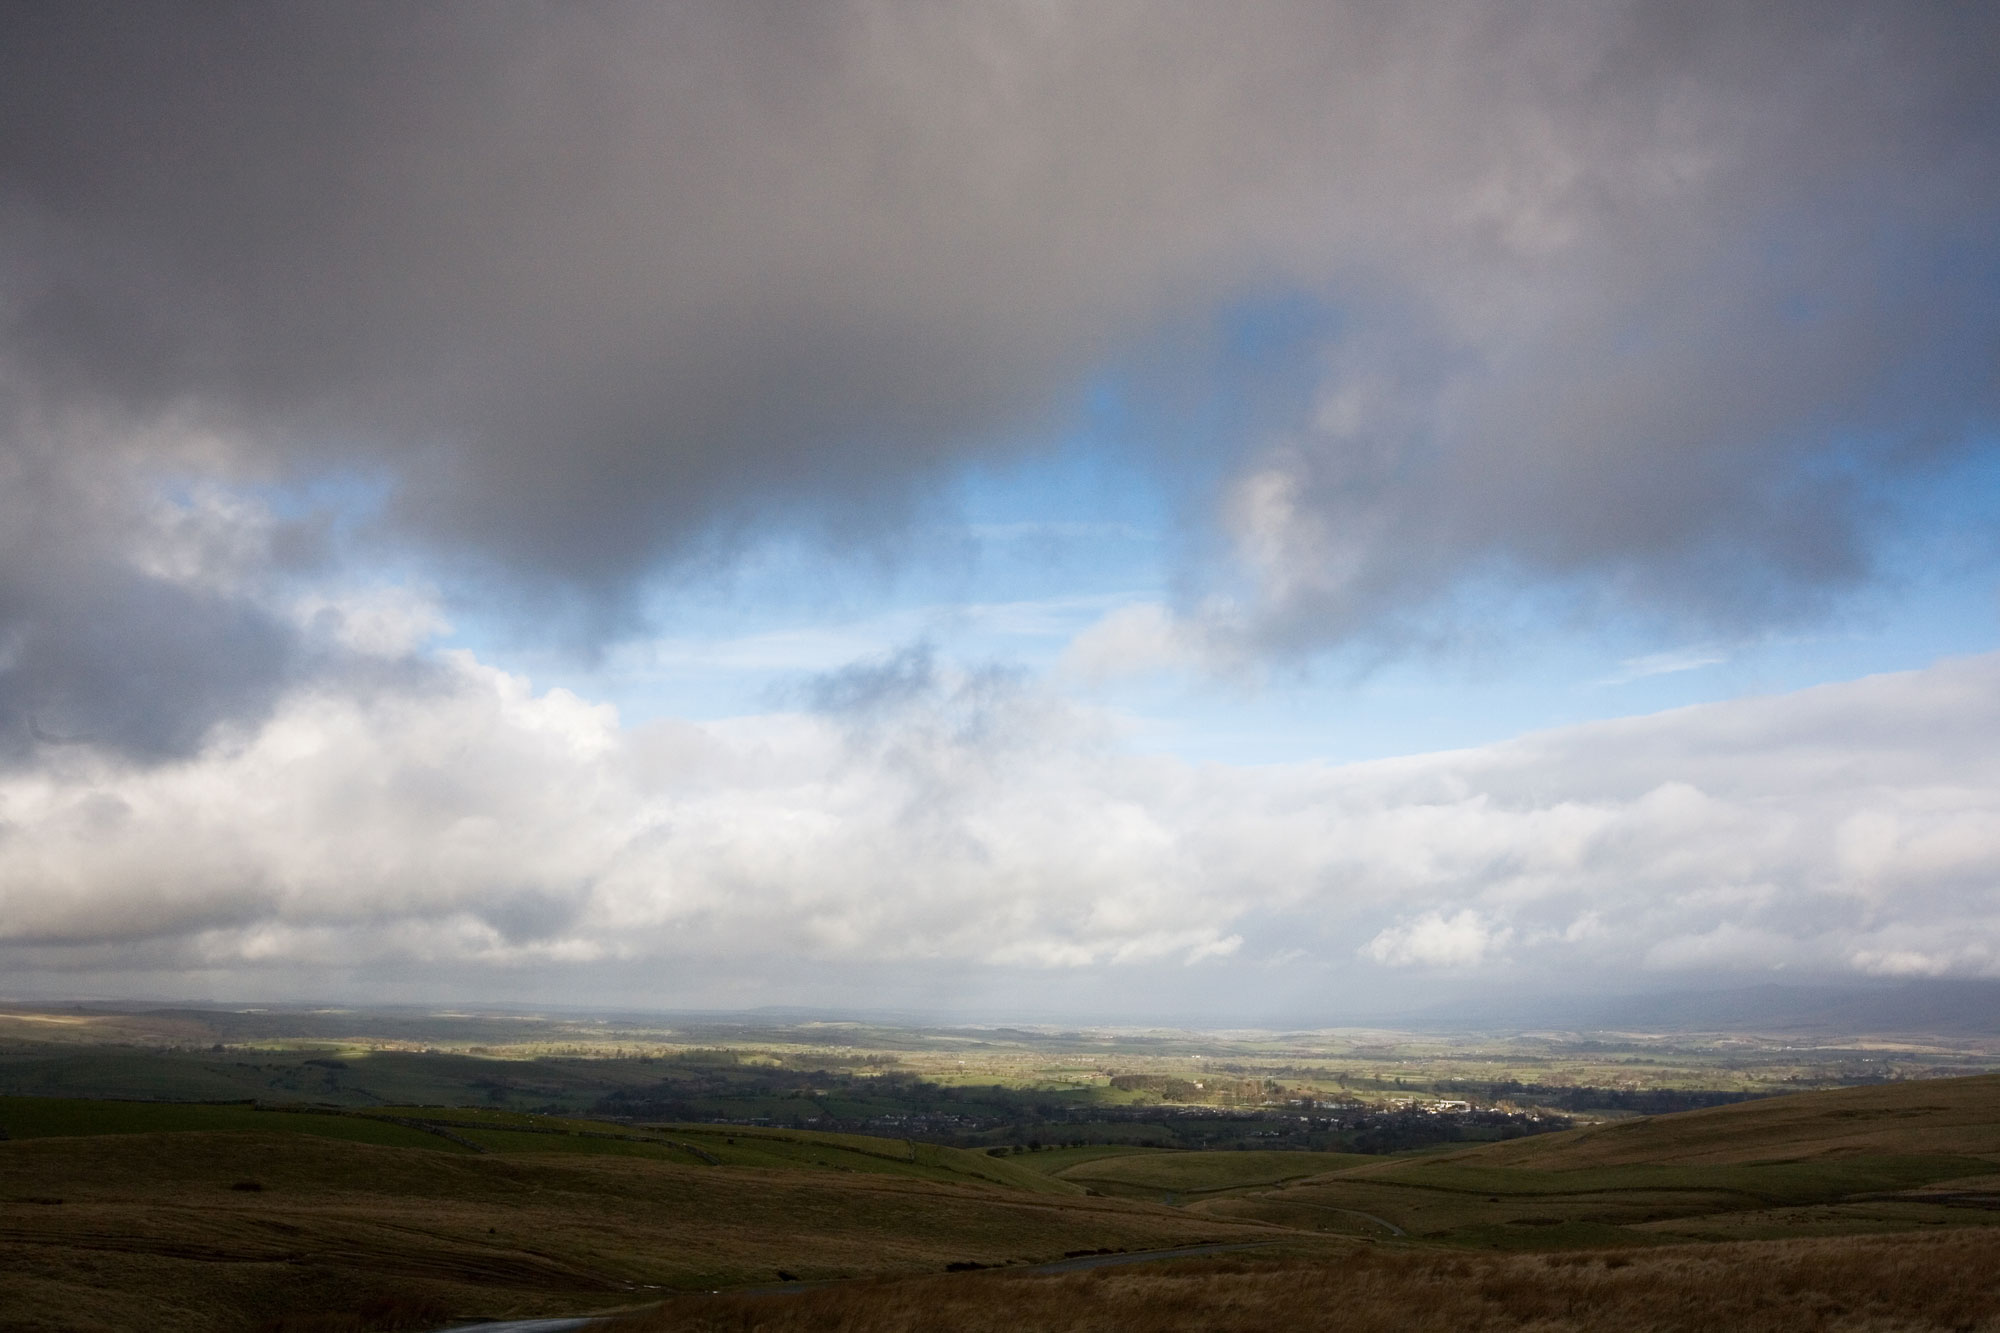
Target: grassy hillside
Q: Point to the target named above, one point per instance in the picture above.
(1606, 1217)
(1185, 1173)
(334, 1076)
(182, 1217)
(120, 1215)
(1863, 1285)
(61, 1117)
(758, 1146)
(1890, 1158)
(1053, 1161)
(476, 1130)
(1946, 1115)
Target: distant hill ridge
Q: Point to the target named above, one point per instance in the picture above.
(1959, 1116)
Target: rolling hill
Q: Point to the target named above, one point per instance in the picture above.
(1947, 1115)
(187, 1217)
(184, 1217)
(1896, 1157)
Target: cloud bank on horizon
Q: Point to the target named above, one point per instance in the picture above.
(1661, 310)
(925, 820)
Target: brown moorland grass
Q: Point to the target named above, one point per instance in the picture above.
(796, 1148)
(73, 1117)
(1516, 1208)
(1945, 1281)
(1053, 1161)
(1883, 1158)
(1151, 1174)
(201, 1231)
(297, 1232)
(1958, 1116)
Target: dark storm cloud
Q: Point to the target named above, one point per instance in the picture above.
(102, 659)
(97, 648)
(586, 279)
(1657, 294)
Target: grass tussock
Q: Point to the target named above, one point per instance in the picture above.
(1866, 1285)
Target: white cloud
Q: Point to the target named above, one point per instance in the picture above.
(209, 537)
(968, 820)
(1435, 940)
(1664, 664)
(1131, 641)
(376, 622)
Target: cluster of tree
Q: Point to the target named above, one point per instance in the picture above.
(1169, 1089)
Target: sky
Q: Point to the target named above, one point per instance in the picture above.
(1100, 511)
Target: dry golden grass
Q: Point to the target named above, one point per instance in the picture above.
(1861, 1285)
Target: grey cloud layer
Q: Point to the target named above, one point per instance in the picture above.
(1654, 293)
(127, 621)
(464, 823)
(1652, 297)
